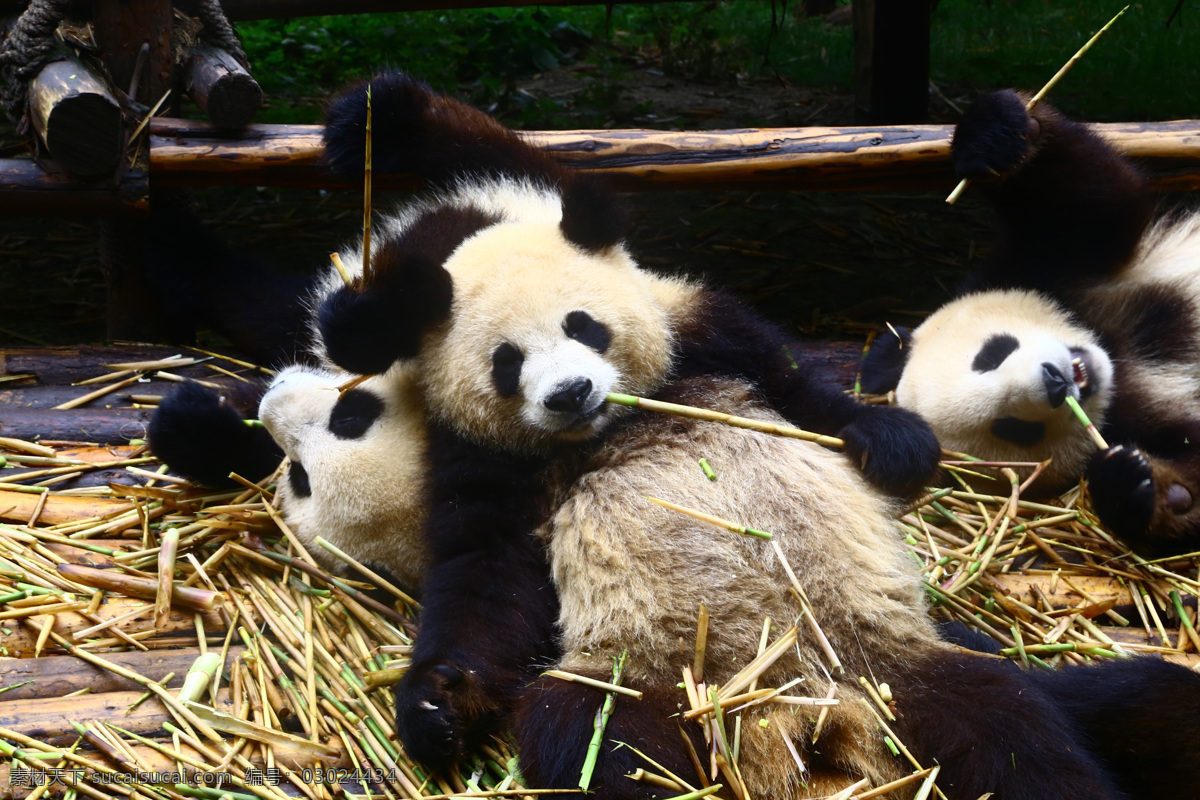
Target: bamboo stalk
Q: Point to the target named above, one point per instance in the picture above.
(595, 684)
(728, 419)
(1050, 84)
(711, 519)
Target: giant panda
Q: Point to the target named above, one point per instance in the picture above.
(514, 301)
(1087, 295)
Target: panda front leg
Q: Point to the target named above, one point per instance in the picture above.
(993, 730)
(488, 621)
(1150, 503)
(556, 720)
(1072, 206)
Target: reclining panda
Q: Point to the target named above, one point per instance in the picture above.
(511, 301)
(1087, 295)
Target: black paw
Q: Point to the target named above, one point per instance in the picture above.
(885, 360)
(894, 448)
(993, 137)
(426, 720)
(200, 434)
(1122, 487)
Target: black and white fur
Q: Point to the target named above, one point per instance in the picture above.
(543, 551)
(1088, 295)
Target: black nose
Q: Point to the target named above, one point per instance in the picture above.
(1056, 385)
(570, 397)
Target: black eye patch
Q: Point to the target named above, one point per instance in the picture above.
(583, 328)
(354, 413)
(994, 351)
(298, 479)
(1018, 431)
(506, 369)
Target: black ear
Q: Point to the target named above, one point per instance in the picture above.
(885, 360)
(593, 217)
(365, 329)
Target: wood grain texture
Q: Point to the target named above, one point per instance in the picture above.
(813, 159)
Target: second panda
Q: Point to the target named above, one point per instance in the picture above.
(1087, 295)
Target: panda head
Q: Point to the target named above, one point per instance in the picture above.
(991, 371)
(519, 326)
(356, 467)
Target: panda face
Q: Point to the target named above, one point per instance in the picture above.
(355, 464)
(540, 332)
(991, 372)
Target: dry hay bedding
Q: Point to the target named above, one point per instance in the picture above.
(305, 656)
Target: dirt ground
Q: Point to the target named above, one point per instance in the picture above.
(828, 265)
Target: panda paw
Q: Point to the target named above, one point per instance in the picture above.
(427, 722)
(993, 138)
(895, 449)
(1121, 480)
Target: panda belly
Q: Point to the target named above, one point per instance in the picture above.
(631, 575)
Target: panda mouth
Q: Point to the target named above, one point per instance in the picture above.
(1081, 374)
(586, 418)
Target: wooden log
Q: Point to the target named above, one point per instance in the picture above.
(56, 676)
(99, 426)
(815, 159)
(67, 364)
(48, 719)
(891, 60)
(78, 119)
(294, 758)
(222, 87)
(26, 189)
(20, 639)
(19, 506)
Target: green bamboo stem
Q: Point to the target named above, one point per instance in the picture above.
(602, 716)
(1082, 416)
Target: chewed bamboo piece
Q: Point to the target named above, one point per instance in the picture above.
(712, 519)
(1082, 416)
(728, 419)
(1050, 84)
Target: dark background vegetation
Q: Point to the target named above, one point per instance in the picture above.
(830, 265)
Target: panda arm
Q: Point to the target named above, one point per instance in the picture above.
(1071, 207)
(489, 606)
(893, 447)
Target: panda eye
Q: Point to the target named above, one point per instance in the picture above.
(580, 326)
(997, 348)
(506, 369)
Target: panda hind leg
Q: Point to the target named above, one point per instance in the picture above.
(993, 729)
(1152, 504)
(554, 726)
(1141, 717)
(202, 434)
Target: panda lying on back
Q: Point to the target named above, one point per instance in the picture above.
(514, 302)
(1087, 296)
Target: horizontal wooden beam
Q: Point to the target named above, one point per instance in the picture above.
(814, 159)
(27, 189)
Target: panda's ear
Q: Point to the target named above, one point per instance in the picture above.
(365, 329)
(885, 360)
(593, 216)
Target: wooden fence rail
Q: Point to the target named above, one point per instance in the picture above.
(816, 159)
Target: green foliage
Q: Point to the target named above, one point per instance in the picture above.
(1140, 70)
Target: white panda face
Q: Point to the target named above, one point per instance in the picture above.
(356, 464)
(540, 332)
(990, 372)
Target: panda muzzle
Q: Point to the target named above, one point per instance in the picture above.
(1057, 385)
